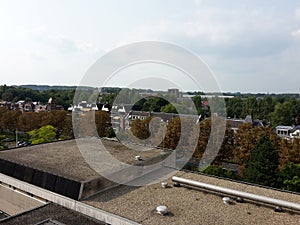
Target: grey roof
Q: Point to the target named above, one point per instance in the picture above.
(51, 214)
(284, 127)
(192, 206)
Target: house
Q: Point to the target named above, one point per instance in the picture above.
(283, 131)
(295, 132)
(235, 123)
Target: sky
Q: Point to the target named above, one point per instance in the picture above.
(249, 45)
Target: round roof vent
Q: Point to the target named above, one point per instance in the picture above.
(162, 210)
(239, 200)
(227, 200)
(164, 184)
(278, 209)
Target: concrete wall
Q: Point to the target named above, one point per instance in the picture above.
(67, 202)
(46, 180)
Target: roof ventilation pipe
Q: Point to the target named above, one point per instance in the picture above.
(245, 195)
(162, 210)
(164, 184)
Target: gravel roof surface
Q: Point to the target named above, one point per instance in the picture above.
(54, 212)
(191, 206)
(64, 158)
(186, 205)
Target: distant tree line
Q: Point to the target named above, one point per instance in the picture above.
(62, 97)
(12, 121)
(277, 109)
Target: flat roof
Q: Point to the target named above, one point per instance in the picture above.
(186, 205)
(64, 158)
(52, 212)
(13, 202)
(192, 206)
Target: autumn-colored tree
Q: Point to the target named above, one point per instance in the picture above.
(246, 138)
(67, 130)
(29, 121)
(84, 125)
(290, 151)
(140, 128)
(9, 119)
(56, 119)
(203, 129)
(173, 134)
(220, 139)
(226, 151)
(103, 122)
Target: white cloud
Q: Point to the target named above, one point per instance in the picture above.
(297, 14)
(229, 32)
(60, 42)
(198, 2)
(296, 34)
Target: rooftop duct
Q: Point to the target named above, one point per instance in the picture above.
(245, 195)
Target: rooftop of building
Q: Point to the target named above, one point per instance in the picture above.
(64, 158)
(191, 206)
(186, 205)
(51, 214)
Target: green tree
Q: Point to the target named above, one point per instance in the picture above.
(250, 107)
(168, 109)
(198, 104)
(262, 167)
(291, 177)
(42, 135)
(234, 107)
(285, 113)
(2, 145)
(154, 104)
(220, 172)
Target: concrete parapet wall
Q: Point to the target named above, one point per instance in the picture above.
(67, 202)
(52, 182)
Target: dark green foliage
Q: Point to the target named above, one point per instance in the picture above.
(154, 104)
(220, 172)
(62, 97)
(291, 177)
(2, 145)
(110, 132)
(262, 167)
(169, 109)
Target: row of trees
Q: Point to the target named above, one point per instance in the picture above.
(278, 111)
(62, 97)
(12, 121)
(270, 163)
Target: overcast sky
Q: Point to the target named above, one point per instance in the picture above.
(251, 46)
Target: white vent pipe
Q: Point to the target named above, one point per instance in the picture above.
(254, 197)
